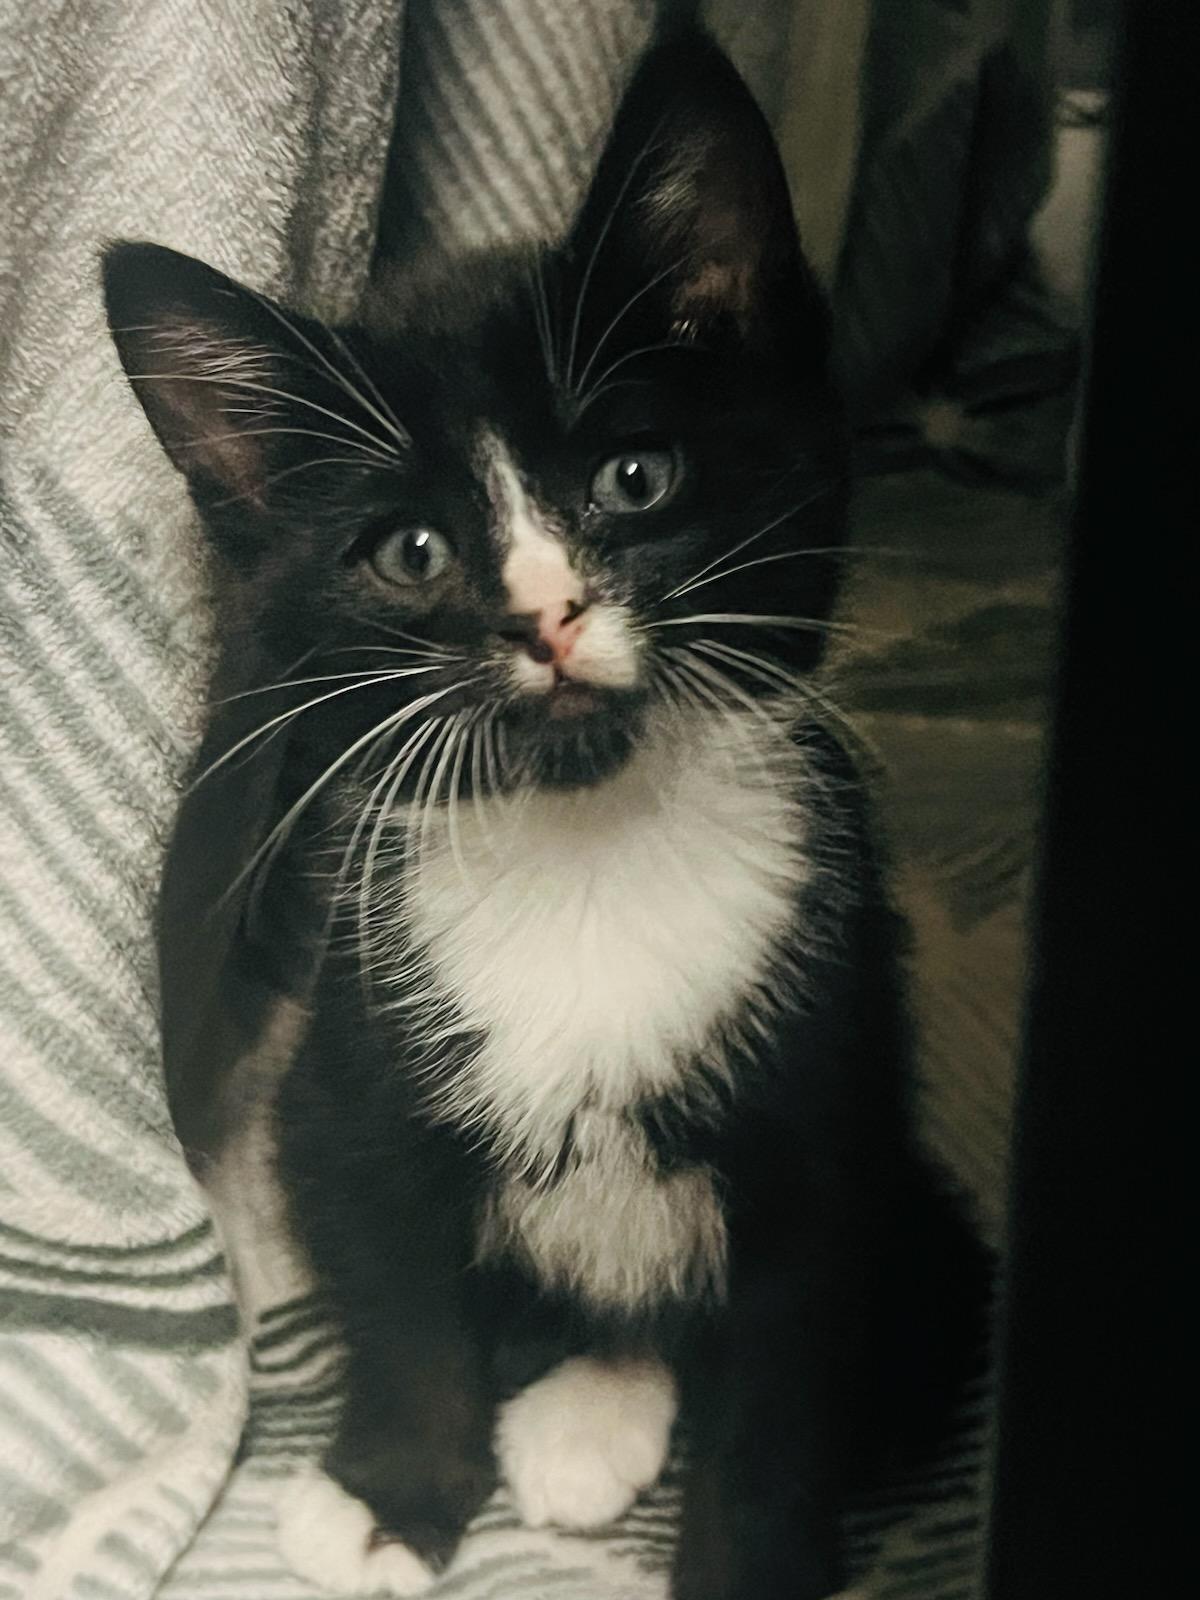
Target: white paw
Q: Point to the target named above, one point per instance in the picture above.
(578, 1445)
(324, 1535)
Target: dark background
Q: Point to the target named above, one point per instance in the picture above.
(1084, 1446)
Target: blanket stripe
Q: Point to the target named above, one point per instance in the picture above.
(123, 1381)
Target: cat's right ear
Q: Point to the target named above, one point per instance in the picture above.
(213, 364)
(687, 229)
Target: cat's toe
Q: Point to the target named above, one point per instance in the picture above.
(329, 1538)
(577, 1446)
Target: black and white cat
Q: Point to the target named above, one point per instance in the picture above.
(598, 1111)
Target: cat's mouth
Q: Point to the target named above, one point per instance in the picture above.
(573, 733)
(568, 697)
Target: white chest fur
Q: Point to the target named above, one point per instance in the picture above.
(597, 940)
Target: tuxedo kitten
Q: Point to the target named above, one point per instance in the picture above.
(523, 800)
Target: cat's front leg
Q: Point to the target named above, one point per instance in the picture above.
(410, 1464)
(764, 1404)
(411, 1461)
(384, 1207)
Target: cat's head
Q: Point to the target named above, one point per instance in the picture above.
(531, 500)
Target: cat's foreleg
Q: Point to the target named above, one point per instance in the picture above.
(385, 1215)
(766, 1417)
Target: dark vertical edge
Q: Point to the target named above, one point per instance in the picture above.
(1083, 1439)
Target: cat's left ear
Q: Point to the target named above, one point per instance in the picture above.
(219, 370)
(689, 220)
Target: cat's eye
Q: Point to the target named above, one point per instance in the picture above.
(634, 481)
(412, 556)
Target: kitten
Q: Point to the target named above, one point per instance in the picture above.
(524, 788)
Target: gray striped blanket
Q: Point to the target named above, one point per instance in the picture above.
(143, 1433)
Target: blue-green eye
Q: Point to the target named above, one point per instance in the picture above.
(412, 556)
(634, 480)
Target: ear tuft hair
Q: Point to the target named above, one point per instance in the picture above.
(690, 210)
(206, 360)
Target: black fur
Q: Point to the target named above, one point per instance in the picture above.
(849, 1279)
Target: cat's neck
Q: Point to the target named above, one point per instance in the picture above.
(738, 772)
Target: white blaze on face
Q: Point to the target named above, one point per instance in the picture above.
(537, 572)
(597, 646)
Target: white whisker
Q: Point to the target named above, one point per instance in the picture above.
(368, 452)
(418, 822)
(541, 313)
(752, 619)
(491, 758)
(667, 681)
(711, 690)
(583, 398)
(275, 839)
(606, 388)
(759, 533)
(361, 821)
(742, 566)
(295, 711)
(748, 659)
(479, 788)
(386, 418)
(440, 773)
(389, 419)
(705, 699)
(233, 382)
(721, 683)
(287, 472)
(442, 657)
(394, 775)
(365, 676)
(412, 638)
(635, 167)
(453, 833)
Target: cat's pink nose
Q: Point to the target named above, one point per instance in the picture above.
(548, 635)
(559, 628)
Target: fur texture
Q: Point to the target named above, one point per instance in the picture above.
(603, 1105)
